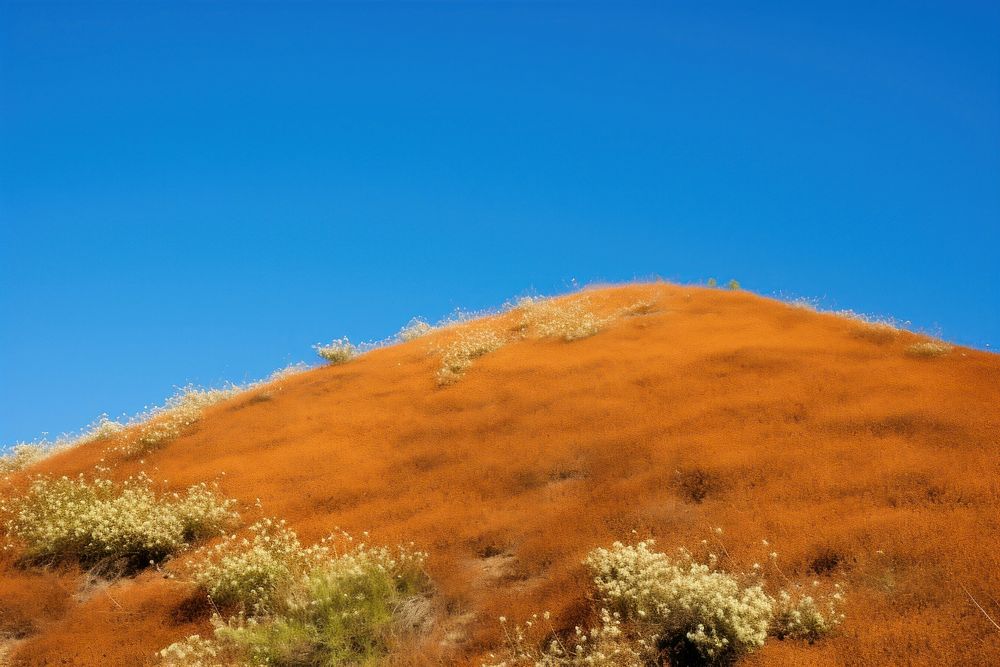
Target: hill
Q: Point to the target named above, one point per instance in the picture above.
(858, 453)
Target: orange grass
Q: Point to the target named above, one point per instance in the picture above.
(858, 462)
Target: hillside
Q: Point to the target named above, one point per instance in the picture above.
(856, 459)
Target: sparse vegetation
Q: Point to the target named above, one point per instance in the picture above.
(566, 319)
(929, 349)
(733, 284)
(23, 455)
(162, 424)
(99, 521)
(338, 351)
(336, 602)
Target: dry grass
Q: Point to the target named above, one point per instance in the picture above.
(338, 351)
(458, 355)
(560, 318)
(929, 349)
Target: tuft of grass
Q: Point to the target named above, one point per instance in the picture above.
(879, 333)
(929, 349)
(338, 351)
(415, 328)
(100, 521)
(469, 345)
(332, 603)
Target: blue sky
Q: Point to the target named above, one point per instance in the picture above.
(195, 192)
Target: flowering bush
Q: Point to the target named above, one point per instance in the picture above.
(101, 521)
(302, 605)
(338, 351)
(699, 612)
(252, 574)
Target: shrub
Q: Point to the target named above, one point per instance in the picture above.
(297, 605)
(806, 617)
(733, 284)
(338, 351)
(458, 356)
(103, 522)
(700, 614)
(414, 329)
(929, 349)
(253, 574)
(712, 282)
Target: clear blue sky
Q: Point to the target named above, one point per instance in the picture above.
(199, 192)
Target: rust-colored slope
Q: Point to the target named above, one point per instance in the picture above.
(855, 460)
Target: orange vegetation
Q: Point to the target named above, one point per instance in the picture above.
(706, 408)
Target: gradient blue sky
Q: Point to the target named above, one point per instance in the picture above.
(200, 191)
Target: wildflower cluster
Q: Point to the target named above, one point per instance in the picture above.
(696, 609)
(336, 602)
(101, 521)
(457, 356)
(338, 351)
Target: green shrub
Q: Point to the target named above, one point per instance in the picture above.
(295, 605)
(100, 521)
